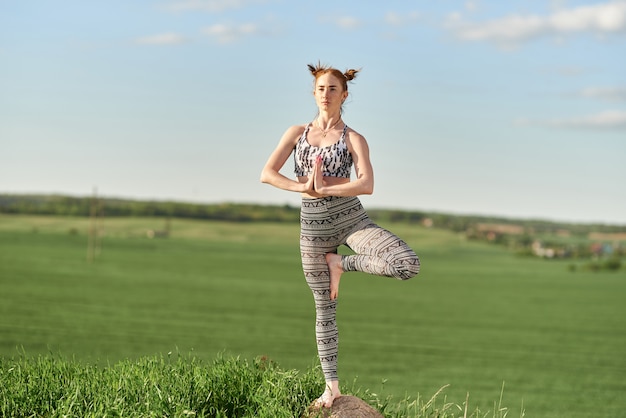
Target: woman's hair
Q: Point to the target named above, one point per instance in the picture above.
(319, 70)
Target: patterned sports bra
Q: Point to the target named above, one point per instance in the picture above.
(337, 158)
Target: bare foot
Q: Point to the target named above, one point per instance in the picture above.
(334, 268)
(330, 394)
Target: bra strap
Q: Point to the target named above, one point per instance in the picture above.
(304, 133)
(345, 129)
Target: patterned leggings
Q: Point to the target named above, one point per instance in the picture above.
(326, 223)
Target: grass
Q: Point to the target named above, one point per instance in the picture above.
(153, 386)
(475, 317)
(178, 386)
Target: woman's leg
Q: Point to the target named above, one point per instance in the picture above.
(317, 277)
(318, 237)
(379, 252)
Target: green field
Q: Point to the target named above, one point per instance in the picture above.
(476, 317)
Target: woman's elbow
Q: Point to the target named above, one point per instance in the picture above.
(365, 184)
(265, 176)
(366, 190)
(368, 187)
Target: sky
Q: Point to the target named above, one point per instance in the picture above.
(514, 109)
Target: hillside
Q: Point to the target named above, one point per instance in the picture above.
(245, 212)
(604, 243)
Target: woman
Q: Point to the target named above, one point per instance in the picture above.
(331, 214)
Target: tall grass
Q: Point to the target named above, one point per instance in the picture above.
(184, 386)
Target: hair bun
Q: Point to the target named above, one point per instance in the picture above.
(350, 74)
(315, 69)
(320, 69)
(343, 77)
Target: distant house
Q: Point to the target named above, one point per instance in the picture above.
(500, 228)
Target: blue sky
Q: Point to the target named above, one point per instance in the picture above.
(514, 109)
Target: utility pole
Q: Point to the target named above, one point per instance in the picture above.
(92, 234)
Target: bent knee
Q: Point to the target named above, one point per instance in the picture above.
(407, 268)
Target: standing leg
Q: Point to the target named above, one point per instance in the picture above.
(317, 238)
(318, 279)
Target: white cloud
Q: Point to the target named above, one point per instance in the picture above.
(397, 19)
(609, 119)
(604, 18)
(169, 38)
(471, 5)
(348, 22)
(569, 71)
(342, 22)
(208, 5)
(224, 33)
(611, 94)
(558, 4)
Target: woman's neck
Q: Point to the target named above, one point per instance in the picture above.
(326, 121)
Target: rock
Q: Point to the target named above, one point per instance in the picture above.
(343, 407)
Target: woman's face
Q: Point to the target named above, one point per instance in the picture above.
(329, 93)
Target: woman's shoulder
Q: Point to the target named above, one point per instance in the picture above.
(353, 137)
(296, 130)
(293, 134)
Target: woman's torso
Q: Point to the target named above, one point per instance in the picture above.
(335, 152)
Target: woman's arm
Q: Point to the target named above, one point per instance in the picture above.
(364, 182)
(271, 171)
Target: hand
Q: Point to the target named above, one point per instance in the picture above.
(318, 177)
(309, 186)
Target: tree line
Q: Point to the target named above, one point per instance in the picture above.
(62, 205)
(530, 237)
(111, 207)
